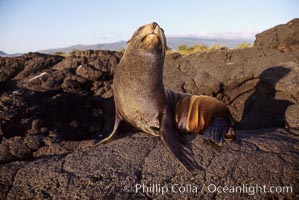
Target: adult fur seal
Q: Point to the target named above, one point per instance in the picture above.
(142, 101)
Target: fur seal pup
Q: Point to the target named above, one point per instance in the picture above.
(142, 101)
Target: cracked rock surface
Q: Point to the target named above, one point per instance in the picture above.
(53, 109)
(266, 157)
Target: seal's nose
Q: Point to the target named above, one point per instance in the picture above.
(155, 24)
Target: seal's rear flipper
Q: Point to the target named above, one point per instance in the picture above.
(216, 131)
(173, 141)
(114, 132)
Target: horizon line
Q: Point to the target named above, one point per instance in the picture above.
(202, 35)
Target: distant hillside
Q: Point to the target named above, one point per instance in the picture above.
(172, 42)
(2, 53)
(108, 46)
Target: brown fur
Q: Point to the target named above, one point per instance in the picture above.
(202, 111)
(142, 101)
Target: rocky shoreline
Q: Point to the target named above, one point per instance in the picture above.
(52, 108)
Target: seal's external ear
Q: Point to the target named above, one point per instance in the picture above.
(172, 140)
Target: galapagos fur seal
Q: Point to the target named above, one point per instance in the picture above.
(142, 101)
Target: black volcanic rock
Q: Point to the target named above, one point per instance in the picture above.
(283, 37)
(18, 68)
(53, 107)
(36, 62)
(112, 171)
(44, 97)
(258, 85)
(9, 67)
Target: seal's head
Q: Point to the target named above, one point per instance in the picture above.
(149, 38)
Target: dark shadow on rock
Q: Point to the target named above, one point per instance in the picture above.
(124, 128)
(264, 136)
(261, 109)
(74, 116)
(68, 116)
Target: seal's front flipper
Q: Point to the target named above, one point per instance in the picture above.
(216, 131)
(173, 141)
(113, 133)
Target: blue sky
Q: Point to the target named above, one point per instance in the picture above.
(31, 25)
